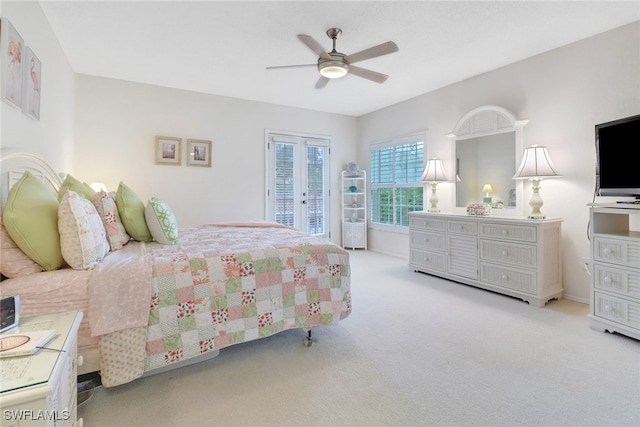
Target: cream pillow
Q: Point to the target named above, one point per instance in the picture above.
(71, 183)
(83, 241)
(31, 218)
(161, 222)
(131, 210)
(106, 206)
(13, 262)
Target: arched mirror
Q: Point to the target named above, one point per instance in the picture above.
(487, 150)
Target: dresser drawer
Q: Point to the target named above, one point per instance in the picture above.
(511, 278)
(428, 260)
(618, 310)
(469, 228)
(617, 251)
(523, 233)
(419, 222)
(510, 253)
(424, 240)
(618, 280)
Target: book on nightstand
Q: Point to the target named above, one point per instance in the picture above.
(24, 343)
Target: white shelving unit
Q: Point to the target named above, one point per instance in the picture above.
(354, 209)
(615, 269)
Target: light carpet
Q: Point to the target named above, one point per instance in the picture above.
(416, 351)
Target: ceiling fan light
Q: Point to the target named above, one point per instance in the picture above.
(333, 69)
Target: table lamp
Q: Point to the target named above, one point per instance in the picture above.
(434, 173)
(536, 165)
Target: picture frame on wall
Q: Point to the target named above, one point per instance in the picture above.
(199, 153)
(168, 150)
(33, 77)
(11, 61)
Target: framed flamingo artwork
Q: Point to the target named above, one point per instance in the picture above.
(11, 49)
(32, 76)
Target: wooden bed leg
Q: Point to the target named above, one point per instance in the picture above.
(307, 339)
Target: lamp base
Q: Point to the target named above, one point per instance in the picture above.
(536, 202)
(433, 199)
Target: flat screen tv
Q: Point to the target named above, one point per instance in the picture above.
(618, 164)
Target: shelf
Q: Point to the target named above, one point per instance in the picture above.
(354, 219)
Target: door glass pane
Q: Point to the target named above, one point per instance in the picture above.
(285, 184)
(316, 194)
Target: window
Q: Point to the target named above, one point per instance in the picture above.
(396, 189)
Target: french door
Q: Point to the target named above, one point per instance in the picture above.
(298, 186)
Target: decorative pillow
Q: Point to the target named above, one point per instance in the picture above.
(83, 241)
(161, 222)
(31, 218)
(131, 210)
(13, 262)
(70, 183)
(106, 206)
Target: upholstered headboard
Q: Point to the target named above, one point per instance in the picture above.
(14, 165)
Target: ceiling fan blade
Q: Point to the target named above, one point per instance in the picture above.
(292, 66)
(314, 46)
(368, 74)
(322, 82)
(372, 52)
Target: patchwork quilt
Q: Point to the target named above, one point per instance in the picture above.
(218, 286)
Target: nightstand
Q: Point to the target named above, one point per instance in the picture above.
(41, 390)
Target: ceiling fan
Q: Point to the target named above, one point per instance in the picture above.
(333, 65)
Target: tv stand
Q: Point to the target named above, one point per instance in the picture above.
(615, 269)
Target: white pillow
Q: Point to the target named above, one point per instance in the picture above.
(161, 222)
(83, 241)
(105, 204)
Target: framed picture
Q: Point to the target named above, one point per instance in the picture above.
(11, 49)
(32, 76)
(199, 153)
(168, 150)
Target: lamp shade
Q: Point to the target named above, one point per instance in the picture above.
(433, 171)
(98, 186)
(487, 188)
(536, 164)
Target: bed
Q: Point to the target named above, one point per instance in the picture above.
(176, 299)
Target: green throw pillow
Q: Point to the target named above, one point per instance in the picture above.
(161, 222)
(31, 219)
(131, 210)
(71, 183)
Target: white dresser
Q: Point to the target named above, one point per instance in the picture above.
(41, 390)
(514, 256)
(615, 269)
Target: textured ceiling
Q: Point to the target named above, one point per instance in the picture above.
(223, 48)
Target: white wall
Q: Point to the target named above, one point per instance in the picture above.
(563, 93)
(116, 126)
(51, 137)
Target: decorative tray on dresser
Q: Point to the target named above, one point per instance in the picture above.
(510, 255)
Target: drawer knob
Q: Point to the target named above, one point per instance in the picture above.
(504, 253)
(607, 280)
(607, 251)
(504, 277)
(505, 232)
